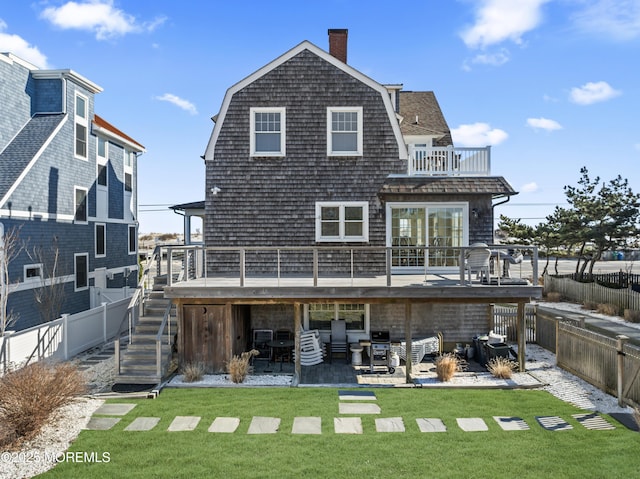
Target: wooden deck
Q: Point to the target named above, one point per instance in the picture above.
(374, 289)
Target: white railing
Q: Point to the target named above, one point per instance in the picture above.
(62, 338)
(449, 161)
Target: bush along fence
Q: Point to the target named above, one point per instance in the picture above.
(593, 293)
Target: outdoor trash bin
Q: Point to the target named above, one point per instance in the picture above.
(497, 350)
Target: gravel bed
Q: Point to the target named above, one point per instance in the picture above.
(224, 380)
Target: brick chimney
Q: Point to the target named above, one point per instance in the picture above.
(338, 43)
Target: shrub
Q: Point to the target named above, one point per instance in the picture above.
(30, 396)
(239, 365)
(447, 365)
(589, 305)
(192, 372)
(501, 368)
(608, 309)
(554, 297)
(632, 315)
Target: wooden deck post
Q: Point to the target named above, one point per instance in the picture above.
(407, 339)
(622, 339)
(297, 327)
(521, 336)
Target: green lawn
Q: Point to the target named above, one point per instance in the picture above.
(495, 453)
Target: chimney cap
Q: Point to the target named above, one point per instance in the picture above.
(338, 30)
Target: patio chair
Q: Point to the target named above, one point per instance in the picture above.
(477, 261)
(311, 348)
(283, 354)
(261, 338)
(339, 343)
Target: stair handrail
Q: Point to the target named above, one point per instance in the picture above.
(165, 321)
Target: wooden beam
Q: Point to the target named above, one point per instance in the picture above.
(297, 325)
(522, 336)
(407, 338)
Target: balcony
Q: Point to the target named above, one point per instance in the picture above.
(449, 161)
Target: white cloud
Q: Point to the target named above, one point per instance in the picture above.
(493, 59)
(529, 187)
(21, 48)
(500, 20)
(179, 102)
(99, 16)
(593, 92)
(543, 124)
(478, 134)
(617, 19)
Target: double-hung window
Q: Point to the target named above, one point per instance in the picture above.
(342, 221)
(268, 127)
(81, 119)
(344, 131)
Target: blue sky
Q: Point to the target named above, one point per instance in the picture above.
(552, 85)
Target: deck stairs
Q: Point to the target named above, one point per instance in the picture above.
(138, 357)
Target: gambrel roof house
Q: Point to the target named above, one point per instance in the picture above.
(312, 165)
(67, 186)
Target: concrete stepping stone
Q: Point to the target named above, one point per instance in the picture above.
(264, 425)
(593, 421)
(472, 424)
(553, 423)
(427, 424)
(511, 423)
(114, 409)
(102, 423)
(347, 425)
(390, 424)
(358, 408)
(143, 424)
(224, 424)
(184, 423)
(307, 425)
(357, 396)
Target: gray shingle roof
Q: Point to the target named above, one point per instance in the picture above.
(424, 106)
(494, 185)
(17, 155)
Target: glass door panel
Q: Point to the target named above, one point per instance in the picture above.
(408, 236)
(446, 234)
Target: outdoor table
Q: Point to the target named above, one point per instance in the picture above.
(281, 345)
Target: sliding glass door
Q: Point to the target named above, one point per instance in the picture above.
(443, 227)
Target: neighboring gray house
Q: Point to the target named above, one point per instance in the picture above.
(309, 152)
(67, 185)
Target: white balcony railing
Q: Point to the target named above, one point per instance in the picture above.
(449, 161)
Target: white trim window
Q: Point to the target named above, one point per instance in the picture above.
(80, 204)
(129, 206)
(32, 272)
(342, 221)
(268, 131)
(102, 176)
(344, 131)
(81, 271)
(101, 240)
(133, 240)
(319, 316)
(81, 127)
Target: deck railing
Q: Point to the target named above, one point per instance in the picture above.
(449, 161)
(198, 262)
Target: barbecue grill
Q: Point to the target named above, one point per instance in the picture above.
(381, 351)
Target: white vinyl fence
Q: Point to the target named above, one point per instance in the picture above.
(65, 337)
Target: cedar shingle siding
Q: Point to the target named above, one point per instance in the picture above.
(271, 201)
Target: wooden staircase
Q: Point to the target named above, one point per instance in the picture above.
(138, 362)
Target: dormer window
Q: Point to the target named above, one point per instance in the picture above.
(268, 126)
